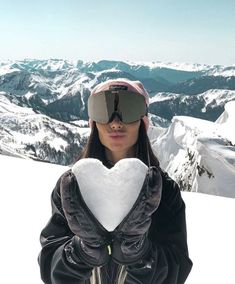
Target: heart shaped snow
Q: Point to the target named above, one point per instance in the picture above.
(110, 193)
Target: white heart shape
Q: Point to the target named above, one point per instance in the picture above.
(110, 193)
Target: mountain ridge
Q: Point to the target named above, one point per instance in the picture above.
(50, 86)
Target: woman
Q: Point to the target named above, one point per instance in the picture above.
(150, 244)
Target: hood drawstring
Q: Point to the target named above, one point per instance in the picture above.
(148, 157)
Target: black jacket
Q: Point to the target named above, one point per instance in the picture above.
(168, 262)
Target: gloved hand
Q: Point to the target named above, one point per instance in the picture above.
(90, 242)
(131, 243)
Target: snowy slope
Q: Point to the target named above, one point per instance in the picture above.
(25, 132)
(25, 191)
(49, 79)
(227, 120)
(199, 154)
(212, 98)
(208, 105)
(211, 233)
(216, 97)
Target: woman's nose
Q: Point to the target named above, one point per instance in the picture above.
(116, 123)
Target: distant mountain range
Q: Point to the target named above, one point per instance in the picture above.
(42, 102)
(60, 89)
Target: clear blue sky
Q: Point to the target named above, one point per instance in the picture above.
(194, 31)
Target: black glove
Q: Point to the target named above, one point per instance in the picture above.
(131, 243)
(90, 243)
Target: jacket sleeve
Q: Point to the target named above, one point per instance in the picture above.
(168, 261)
(57, 259)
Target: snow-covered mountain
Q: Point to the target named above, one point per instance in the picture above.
(200, 154)
(23, 132)
(208, 105)
(59, 88)
(26, 187)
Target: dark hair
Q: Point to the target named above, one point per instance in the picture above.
(143, 149)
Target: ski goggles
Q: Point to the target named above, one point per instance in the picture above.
(128, 106)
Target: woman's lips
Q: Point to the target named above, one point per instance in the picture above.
(116, 135)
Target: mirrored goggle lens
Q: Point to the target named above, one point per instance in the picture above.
(129, 106)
